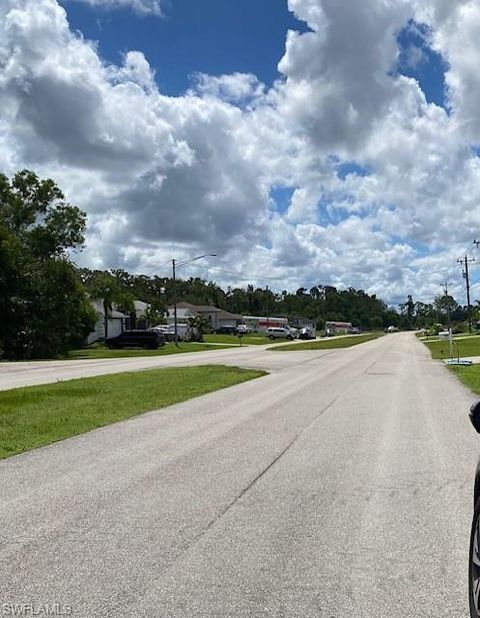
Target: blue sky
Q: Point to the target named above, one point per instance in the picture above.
(226, 36)
(208, 36)
(380, 173)
(218, 37)
(418, 60)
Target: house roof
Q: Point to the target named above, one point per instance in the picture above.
(207, 309)
(115, 315)
(197, 308)
(97, 304)
(184, 312)
(225, 315)
(140, 305)
(258, 317)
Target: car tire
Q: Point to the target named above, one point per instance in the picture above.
(290, 338)
(474, 565)
(271, 337)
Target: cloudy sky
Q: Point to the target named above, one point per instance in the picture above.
(302, 141)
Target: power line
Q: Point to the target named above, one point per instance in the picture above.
(247, 278)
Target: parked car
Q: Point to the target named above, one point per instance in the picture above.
(167, 330)
(161, 328)
(242, 329)
(226, 330)
(306, 333)
(391, 329)
(148, 339)
(474, 554)
(185, 332)
(279, 332)
(294, 331)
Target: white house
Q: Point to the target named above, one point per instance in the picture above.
(140, 308)
(185, 311)
(216, 317)
(117, 322)
(224, 318)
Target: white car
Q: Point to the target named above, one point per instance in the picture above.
(279, 332)
(306, 333)
(184, 332)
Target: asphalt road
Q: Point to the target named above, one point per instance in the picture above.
(337, 486)
(13, 375)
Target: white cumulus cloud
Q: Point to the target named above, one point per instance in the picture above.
(142, 7)
(170, 176)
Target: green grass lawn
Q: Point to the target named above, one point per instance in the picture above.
(38, 415)
(101, 351)
(469, 375)
(328, 344)
(465, 347)
(250, 339)
(458, 336)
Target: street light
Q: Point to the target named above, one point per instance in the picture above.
(176, 265)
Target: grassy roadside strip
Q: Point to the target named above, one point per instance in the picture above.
(101, 351)
(470, 346)
(431, 338)
(469, 375)
(466, 347)
(328, 344)
(250, 339)
(38, 415)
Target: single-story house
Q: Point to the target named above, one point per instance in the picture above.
(138, 317)
(224, 318)
(216, 317)
(140, 308)
(117, 322)
(186, 311)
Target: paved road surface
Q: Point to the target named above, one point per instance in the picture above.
(13, 375)
(337, 486)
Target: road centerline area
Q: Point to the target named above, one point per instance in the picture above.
(363, 511)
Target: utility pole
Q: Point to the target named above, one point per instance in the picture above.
(174, 286)
(466, 276)
(174, 290)
(450, 340)
(266, 304)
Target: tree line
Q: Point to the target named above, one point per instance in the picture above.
(319, 303)
(45, 300)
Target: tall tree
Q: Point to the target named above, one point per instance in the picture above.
(445, 306)
(43, 307)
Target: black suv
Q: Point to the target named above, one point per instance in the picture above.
(226, 330)
(474, 559)
(148, 339)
